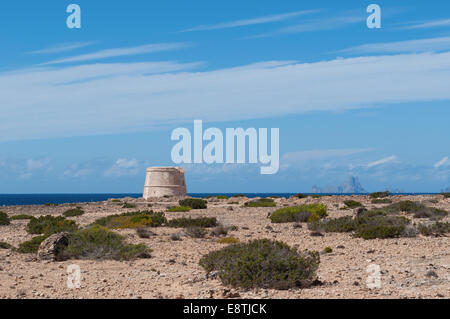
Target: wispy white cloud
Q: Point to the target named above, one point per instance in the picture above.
(123, 167)
(442, 162)
(421, 45)
(120, 52)
(63, 47)
(246, 22)
(382, 161)
(321, 24)
(128, 97)
(429, 24)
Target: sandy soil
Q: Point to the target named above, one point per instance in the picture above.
(173, 270)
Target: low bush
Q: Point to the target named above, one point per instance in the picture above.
(129, 205)
(435, 229)
(380, 194)
(381, 201)
(4, 245)
(239, 195)
(31, 246)
(446, 195)
(364, 213)
(228, 240)
(4, 219)
(195, 232)
(328, 250)
(261, 202)
(337, 225)
(380, 226)
(299, 213)
(300, 195)
(73, 212)
(418, 210)
(184, 222)
(404, 206)
(48, 225)
(316, 196)
(195, 203)
(97, 242)
(21, 217)
(222, 197)
(262, 264)
(352, 204)
(116, 201)
(132, 220)
(179, 209)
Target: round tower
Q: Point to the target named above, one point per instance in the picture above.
(164, 181)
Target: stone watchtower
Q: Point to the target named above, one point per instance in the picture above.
(164, 181)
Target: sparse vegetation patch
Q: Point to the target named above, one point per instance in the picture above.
(48, 225)
(262, 264)
(195, 203)
(302, 213)
(261, 202)
(184, 222)
(73, 212)
(97, 242)
(4, 219)
(133, 220)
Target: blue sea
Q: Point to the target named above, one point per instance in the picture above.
(41, 199)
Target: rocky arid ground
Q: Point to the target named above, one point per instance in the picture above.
(416, 267)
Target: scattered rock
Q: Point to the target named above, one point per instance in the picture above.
(50, 248)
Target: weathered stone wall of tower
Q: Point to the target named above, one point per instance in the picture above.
(164, 181)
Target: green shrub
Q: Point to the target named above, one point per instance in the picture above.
(21, 217)
(4, 219)
(189, 222)
(262, 264)
(4, 245)
(73, 212)
(222, 197)
(299, 213)
(418, 210)
(116, 201)
(300, 195)
(239, 195)
(380, 227)
(381, 201)
(261, 202)
(404, 206)
(337, 225)
(31, 246)
(380, 194)
(195, 203)
(48, 225)
(129, 205)
(429, 212)
(179, 209)
(195, 232)
(316, 196)
(370, 213)
(97, 242)
(328, 250)
(228, 240)
(446, 195)
(132, 220)
(435, 229)
(352, 204)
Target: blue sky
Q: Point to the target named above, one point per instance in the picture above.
(88, 110)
